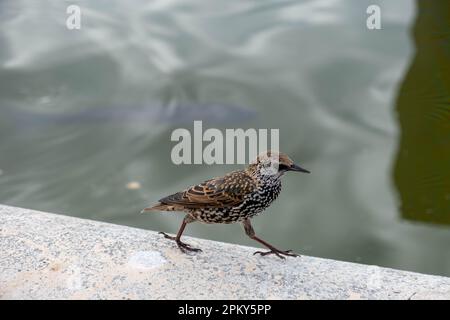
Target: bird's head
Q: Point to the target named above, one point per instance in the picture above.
(273, 163)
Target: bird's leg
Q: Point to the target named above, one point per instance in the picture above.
(182, 245)
(251, 233)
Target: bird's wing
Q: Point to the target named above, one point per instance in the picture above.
(219, 192)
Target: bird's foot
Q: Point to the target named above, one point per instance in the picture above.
(279, 253)
(167, 236)
(183, 246)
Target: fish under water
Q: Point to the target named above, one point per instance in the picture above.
(172, 114)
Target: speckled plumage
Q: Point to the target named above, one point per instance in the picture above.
(235, 197)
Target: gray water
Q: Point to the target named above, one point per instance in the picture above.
(85, 112)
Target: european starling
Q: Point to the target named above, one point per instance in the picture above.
(235, 197)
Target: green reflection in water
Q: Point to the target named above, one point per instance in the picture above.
(422, 169)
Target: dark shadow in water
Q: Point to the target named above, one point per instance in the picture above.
(156, 113)
(422, 168)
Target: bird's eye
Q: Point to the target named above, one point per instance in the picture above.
(282, 167)
(266, 164)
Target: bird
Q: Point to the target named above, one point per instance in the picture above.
(236, 197)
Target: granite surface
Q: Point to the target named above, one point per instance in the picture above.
(50, 256)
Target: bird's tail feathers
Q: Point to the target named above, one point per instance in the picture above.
(159, 207)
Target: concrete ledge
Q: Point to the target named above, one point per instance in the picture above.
(48, 256)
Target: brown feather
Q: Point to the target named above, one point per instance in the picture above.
(219, 192)
(161, 207)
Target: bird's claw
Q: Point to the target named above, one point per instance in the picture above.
(183, 246)
(166, 235)
(279, 253)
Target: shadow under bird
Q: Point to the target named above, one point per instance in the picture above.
(236, 197)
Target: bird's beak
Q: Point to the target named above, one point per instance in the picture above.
(297, 168)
